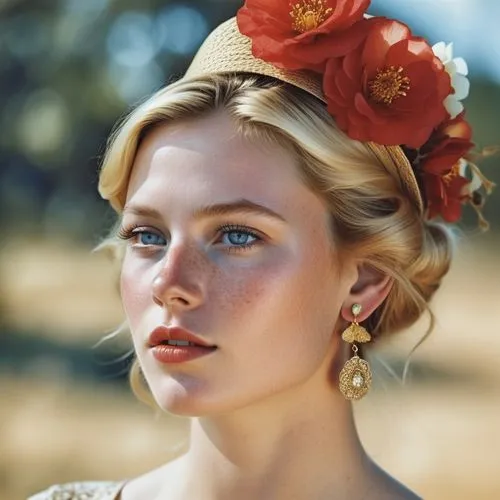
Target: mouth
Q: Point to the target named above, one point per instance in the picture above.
(174, 345)
(176, 336)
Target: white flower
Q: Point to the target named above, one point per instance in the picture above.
(473, 174)
(457, 69)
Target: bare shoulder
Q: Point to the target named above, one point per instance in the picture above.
(385, 487)
(147, 485)
(395, 491)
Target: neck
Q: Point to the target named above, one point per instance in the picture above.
(298, 445)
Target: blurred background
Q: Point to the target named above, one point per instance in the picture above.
(68, 70)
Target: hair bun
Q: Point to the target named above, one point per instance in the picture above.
(427, 271)
(423, 276)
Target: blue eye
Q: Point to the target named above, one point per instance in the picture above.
(147, 238)
(238, 237)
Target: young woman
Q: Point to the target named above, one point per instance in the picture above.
(269, 202)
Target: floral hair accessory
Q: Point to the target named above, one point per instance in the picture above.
(390, 90)
(383, 85)
(302, 35)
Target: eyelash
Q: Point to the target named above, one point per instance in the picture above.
(128, 233)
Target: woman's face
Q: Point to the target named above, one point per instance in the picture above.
(227, 242)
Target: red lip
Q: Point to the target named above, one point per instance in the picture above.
(175, 354)
(161, 334)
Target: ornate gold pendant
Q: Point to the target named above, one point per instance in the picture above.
(356, 333)
(355, 378)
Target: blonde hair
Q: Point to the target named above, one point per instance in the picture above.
(372, 214)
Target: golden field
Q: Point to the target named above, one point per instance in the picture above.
(439, 433)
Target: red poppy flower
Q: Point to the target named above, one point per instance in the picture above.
(390, 90)
(301, 34)
(447, 144)
(445, 194)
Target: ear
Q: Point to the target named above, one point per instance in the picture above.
(370, 290)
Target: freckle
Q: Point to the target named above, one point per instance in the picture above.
(199, 265)
(235, 289)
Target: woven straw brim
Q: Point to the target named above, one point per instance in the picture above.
(226, 50)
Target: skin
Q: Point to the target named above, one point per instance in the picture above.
(268, 421)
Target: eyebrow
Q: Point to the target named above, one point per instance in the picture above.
(241, 206)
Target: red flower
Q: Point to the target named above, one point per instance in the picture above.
(302, 34)
(440, 167)
(447, 144)
(390, 90)
(445, 194)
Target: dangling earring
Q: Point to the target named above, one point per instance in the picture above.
(355, 377)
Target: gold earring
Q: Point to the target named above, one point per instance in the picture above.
(355, 377)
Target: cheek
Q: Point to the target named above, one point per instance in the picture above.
(135, 290)
(276, 324)
(285, 303)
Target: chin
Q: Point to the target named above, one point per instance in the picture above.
(187, 397)
(191, 406)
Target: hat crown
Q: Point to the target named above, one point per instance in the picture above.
(226, 50)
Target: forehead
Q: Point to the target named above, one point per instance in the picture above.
(208, 158)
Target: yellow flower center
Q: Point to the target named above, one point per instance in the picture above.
(454, 172)
(307, 15)
(389, 84)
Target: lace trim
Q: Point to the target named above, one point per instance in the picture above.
(81, 491)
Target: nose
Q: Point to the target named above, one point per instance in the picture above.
(179, 284)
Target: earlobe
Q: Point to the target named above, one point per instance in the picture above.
(370, 290)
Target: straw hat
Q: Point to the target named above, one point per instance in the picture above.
(226, 50)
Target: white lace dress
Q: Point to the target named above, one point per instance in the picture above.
(99, 490)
